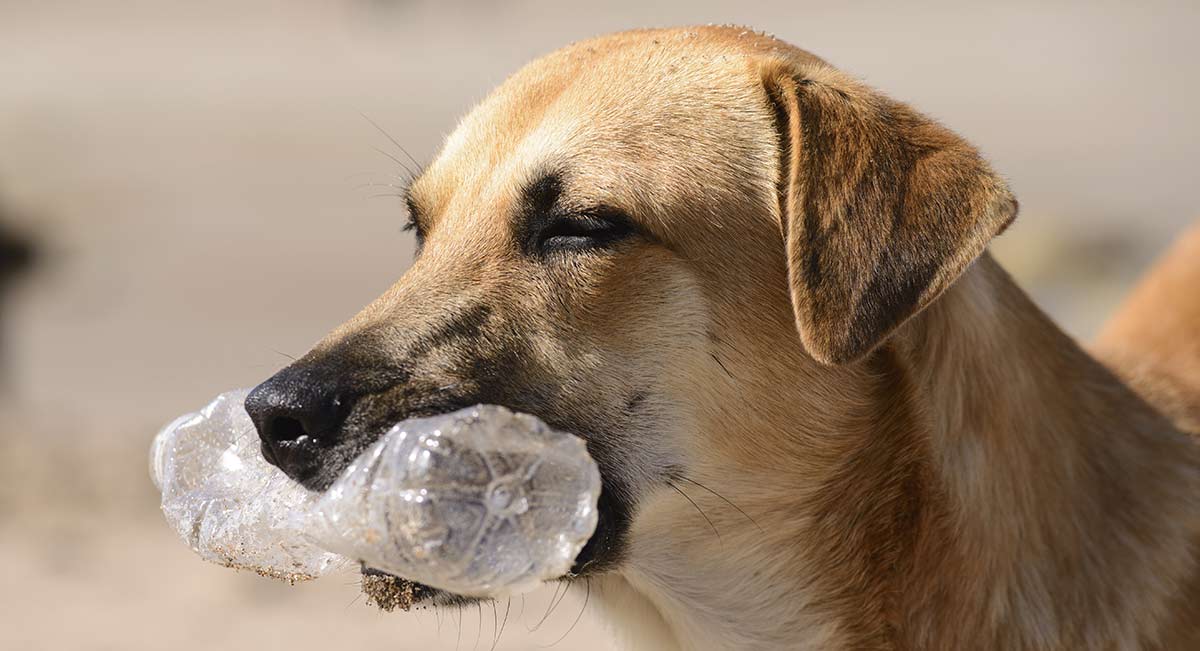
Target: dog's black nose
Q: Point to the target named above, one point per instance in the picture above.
(296, 414)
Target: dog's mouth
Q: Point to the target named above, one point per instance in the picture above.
(316, 467)
(389, 592)
(323, 464)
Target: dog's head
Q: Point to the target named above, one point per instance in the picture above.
(665, 242)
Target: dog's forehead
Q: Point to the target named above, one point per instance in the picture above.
(618, 114)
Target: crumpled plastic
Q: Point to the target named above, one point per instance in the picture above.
(479, 502)
(226, 502)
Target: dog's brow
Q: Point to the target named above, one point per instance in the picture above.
(542, 194)
(539, 200)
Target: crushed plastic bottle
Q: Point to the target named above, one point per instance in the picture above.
(480, 502)
(226, 502)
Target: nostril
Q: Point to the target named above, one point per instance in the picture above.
(285, 428)
(296, 414)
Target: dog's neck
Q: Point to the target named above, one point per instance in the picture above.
(1069, 506)
(986, 484)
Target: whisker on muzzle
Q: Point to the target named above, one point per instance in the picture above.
(503, 622)
(479, 625)
(587, 596)
(246, 432)
(283, 354)
(698, 510)
(722, 498)
(554, 601)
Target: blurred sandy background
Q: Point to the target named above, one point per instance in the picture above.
(192, 175)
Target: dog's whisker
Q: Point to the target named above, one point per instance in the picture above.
(721, 342)
(479, 627)
(358, 175)
(448, 387)
(698, 510)
(403, 179)
(722, 498)
(561, 599)
(722, 365)
(458, 636)
(417, 166)
(394, 159)
(587, 595)
(495, 627)
(283, 354)
(504, 622)
(244, 433)
(375, 184)
(554, 601)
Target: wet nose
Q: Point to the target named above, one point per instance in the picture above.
(297, 413)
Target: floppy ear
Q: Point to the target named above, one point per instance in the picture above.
(881, 208)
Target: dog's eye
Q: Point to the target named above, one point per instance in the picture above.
(582, 232)
(413, 224)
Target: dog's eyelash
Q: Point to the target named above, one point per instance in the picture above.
(411, 225)
(591, 229)
(412, 222)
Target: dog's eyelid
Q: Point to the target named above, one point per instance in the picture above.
(582, 229)
(624, 220)
(415, 221)
(598, 217)
(606, 212)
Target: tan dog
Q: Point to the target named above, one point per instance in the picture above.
(825, 418)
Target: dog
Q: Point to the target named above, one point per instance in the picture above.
(824, 416)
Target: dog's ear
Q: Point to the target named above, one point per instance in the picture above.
(881, 208)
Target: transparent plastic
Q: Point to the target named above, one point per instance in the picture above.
(481, 502)
(226, 502)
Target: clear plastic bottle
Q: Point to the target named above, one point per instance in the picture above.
(482, 501)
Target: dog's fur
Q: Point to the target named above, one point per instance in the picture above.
(824, 416)
(1154, 339)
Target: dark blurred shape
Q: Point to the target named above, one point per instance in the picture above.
(18, 255)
